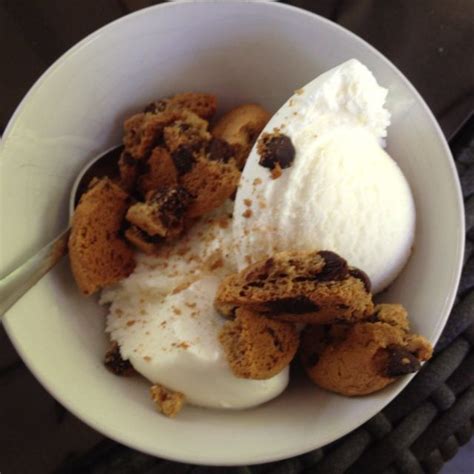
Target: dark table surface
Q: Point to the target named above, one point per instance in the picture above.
(430, 41)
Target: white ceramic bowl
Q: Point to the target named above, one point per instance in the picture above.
(241, 52)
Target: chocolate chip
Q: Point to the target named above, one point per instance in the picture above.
(293, 305)
(312, 359)
(220, 150)
(269, 262)
(276, 149)
(400, 362)
(335, 268)
(276, 341)
(172, 204)
(362, 276)
(156, 107)
(183, 159)
(184, 127)
(114, 362)
(373, 318)
(150, 239)
(261, 272)
(128, 159)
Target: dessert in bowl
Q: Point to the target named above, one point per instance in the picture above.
(64, 342)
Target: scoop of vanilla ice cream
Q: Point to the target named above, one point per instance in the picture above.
(163, 318)
(174, 341)
(342, 192)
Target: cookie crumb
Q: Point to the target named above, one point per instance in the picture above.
(276, 171)
(167, 401)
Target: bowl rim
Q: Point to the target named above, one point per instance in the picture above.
(303, 447)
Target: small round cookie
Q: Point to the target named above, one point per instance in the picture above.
(257, 347)
(99, 256)
(363, 358)
(240, 127)
(299, 287)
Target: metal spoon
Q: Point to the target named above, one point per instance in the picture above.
(14, 285)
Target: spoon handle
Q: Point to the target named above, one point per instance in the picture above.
(19, 281)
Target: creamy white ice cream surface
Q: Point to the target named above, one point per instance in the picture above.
(162, 317)
(342, 193)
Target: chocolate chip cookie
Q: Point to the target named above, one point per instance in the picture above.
(364, 357)
(304, 287)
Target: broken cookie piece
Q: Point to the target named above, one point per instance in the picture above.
(257, 347)
(299, 287)
(211, 182)
(167, 401)
(162, 215)
(365, 357)
(98, 254)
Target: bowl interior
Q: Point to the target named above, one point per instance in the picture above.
(241, 52)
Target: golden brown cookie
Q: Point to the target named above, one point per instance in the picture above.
(161, 172)
(203, 105)
(257, 347)
(99, 256)
(364, 357)
(240, 127)
(162, 215)
(304, 287)
(167, 401)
